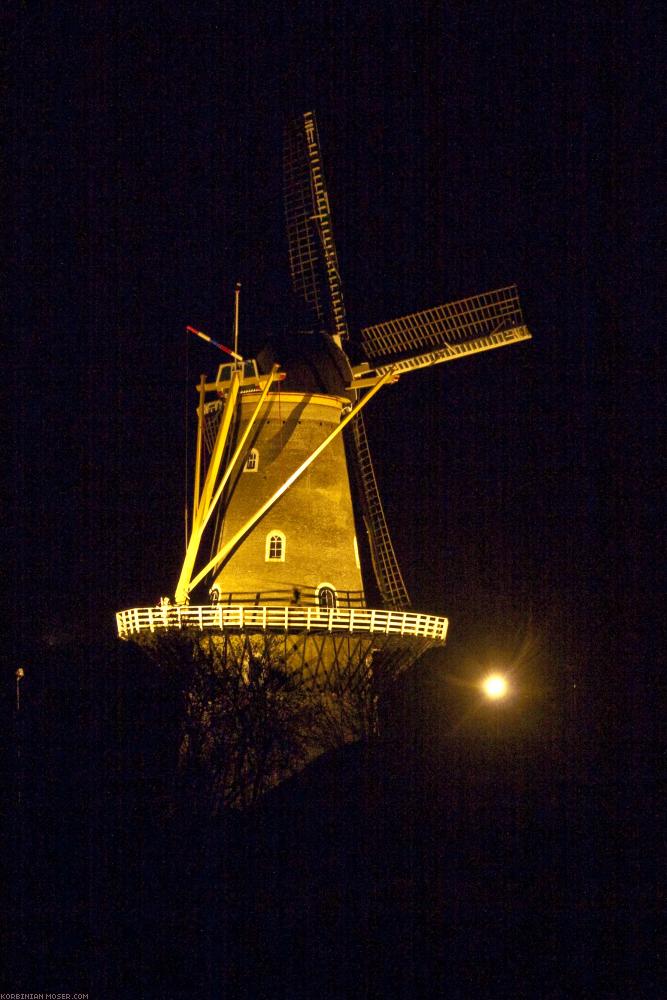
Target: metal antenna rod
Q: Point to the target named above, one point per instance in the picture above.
(237, 293)
(20, 674)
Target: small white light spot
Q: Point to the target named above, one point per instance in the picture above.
(495, 686)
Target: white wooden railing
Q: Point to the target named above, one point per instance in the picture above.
(290, 618)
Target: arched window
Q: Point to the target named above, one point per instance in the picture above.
(275, 547)
(326, 596)
(252, 461)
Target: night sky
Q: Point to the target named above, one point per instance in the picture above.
(465, 148)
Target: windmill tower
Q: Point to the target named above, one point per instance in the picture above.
(282, 462)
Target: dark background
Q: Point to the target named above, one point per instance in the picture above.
(465, 148)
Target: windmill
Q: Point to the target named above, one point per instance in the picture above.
(279, 439)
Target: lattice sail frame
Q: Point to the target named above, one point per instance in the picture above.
(465, 326)
(311, 248)
(388, 574)
(420, 340)
(316, 279)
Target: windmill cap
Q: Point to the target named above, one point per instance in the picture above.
(312, 362)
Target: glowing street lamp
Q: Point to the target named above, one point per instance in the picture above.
(495, 687)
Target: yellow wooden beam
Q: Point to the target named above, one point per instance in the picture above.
(218, 448)
(183, 587)
(200, 432)
(239, 448)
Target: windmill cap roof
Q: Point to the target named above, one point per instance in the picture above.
(312, 363)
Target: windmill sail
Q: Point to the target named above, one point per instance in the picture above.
(316, 280)
(467, 326)
(312, 252)
(385, 564)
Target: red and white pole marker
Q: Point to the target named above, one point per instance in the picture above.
(209, 340)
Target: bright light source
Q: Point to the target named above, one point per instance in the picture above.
(495, 686)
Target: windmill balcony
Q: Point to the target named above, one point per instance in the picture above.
(276, 618)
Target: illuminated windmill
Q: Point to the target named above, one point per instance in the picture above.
(272, 497)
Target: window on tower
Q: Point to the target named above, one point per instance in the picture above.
(326, 596)
(252, 461)
(275, 547)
